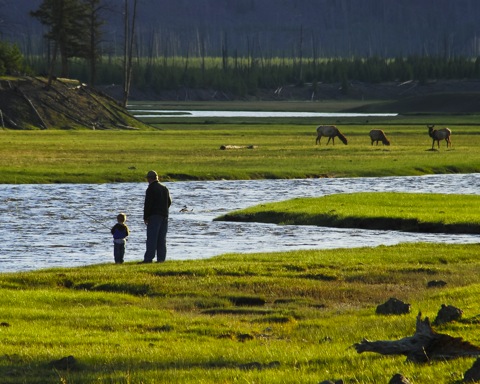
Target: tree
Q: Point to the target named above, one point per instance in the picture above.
(94, 34)
(67, 21)
(129, 26)
(11, 59)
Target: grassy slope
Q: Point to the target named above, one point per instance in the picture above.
(391, 211)
(178, 321)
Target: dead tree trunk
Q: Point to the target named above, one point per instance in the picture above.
(424, 345)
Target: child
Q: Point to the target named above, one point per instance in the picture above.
(120, 233)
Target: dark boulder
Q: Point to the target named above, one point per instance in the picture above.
(393, 307)
(447, 314)
(398, 379)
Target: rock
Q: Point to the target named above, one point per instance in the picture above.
(447, 314)
(393, 307)
(398, 379)
(473, 374)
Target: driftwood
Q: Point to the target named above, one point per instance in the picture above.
(473, 374)
(238, 147)
(424, 345)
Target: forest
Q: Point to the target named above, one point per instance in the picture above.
(240, 46)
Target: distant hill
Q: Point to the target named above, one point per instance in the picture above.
(269, 28)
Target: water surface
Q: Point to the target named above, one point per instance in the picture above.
(69, 225)
(142, 113)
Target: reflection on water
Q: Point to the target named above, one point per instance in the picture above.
(69, 225)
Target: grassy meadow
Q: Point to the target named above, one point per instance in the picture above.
(190, 150)
(256, 318)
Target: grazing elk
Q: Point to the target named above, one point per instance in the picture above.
(439, 134)
(331, 132)
(378, 135)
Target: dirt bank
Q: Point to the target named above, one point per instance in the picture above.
(27, 103)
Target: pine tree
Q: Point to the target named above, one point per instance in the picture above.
(67, 22)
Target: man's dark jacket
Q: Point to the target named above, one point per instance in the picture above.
(157, 200)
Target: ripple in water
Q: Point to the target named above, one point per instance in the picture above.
(69, 225)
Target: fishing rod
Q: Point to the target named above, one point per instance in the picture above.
(92, 217)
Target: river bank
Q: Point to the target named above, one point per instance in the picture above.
(439, 96)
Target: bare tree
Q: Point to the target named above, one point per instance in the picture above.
(94, 9)
(129, 25)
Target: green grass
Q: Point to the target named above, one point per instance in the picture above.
(260, 318)
(192, 152)
(190, 322)
(427, 212)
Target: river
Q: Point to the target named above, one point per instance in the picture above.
(147, 112)
(68, 225)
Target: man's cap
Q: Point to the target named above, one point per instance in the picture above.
(151, 175)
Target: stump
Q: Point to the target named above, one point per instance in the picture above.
(423, 346)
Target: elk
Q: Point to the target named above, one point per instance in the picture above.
(439, 134)
(331, 132)
(378, 135)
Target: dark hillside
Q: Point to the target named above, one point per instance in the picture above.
(26, 103)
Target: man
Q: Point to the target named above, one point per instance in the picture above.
(155, 216)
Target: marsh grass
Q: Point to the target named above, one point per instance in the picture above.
(192, 152)
(415, 212)
(264, 318)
